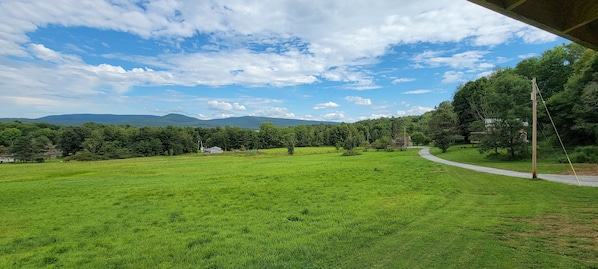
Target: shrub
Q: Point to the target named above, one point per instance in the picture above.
(85, 156)
(586, 154)
(352, 152)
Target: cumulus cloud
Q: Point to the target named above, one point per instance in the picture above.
(275, 112)
(224, 106)
(349, 38)
(326, 105)
(359, 100)
(335, 116)
(273, 43)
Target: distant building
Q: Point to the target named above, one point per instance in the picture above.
(476, 137)
(212, 150)
(7, 158)
(400, 142)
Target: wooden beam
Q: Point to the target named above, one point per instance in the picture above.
(512, 4)
(579, 13)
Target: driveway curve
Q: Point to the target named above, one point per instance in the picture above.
(591, 181)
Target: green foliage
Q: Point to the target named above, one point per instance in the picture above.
(382, 143)
(290, 141)
(98, 141)
(567, 74)
(566, 77)
(506, 110)
(8, 136)
(576, 116)
(586, 154)
(443, 125)
(469, 102)
(418, 139)
(351, 152)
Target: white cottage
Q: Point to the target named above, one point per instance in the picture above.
(213, 150)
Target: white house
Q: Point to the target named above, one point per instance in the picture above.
(7, 158)
(213, 150)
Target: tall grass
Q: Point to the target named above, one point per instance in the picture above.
(315, 209)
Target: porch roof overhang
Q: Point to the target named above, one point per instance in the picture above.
(576, 20)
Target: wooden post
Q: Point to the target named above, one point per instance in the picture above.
(534, 128)
(405, 144)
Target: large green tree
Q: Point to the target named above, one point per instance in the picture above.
(443, 125)
(508, 112)
(468, 103)
(574, 109)
(269, 135)
(9, 135)
(552, 69)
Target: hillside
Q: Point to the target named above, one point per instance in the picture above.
(247, 122)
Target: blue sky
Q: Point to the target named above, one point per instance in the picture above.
(341, 61)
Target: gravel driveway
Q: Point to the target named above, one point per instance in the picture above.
(567, 179)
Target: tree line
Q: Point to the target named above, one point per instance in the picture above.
(494, 112)
(92, 141)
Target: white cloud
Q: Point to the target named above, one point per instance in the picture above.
(224, 106)
(326, 105)
(485, 74)
(422, 91)
(377, 116)
(415, 110)
(452, 76)
(275, 112)
(223, 115)
(528, 55)
(352, 35)
(335, 116)
(40, 51)
(357, 80)
(359, 100)
(221, 43)
(468, 59)
(402, 80)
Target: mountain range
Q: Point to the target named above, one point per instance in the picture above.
(246, 122)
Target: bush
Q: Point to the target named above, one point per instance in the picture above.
(351, 152)
(587, 154)
(498, 156)
(85, 156)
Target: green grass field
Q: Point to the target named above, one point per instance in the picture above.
(316, 209)
(467, 154)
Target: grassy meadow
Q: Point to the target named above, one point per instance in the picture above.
(315, 209)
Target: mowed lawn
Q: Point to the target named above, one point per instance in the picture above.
(316, 209)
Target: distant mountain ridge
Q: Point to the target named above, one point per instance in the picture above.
(246, 122)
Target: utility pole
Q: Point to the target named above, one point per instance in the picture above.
(534, 128)
(405, 144)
